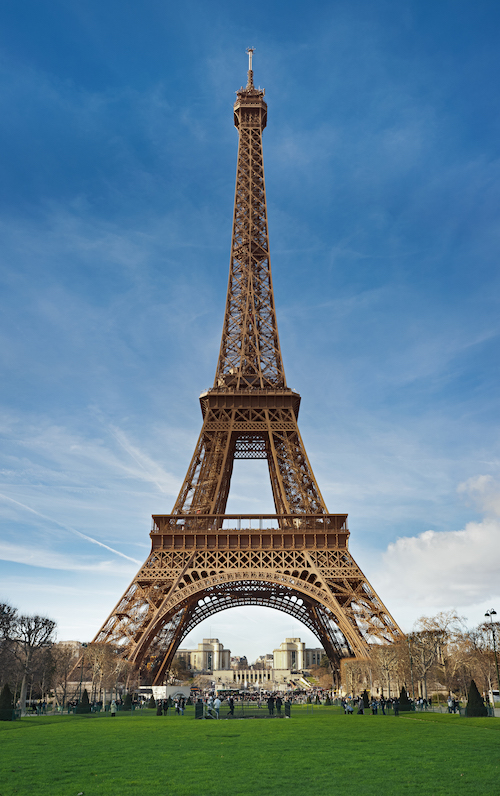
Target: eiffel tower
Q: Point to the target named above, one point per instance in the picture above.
(202, 560)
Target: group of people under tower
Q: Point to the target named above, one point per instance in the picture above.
(374, 704)
(273, 702)
(214, 705)
(162, 706)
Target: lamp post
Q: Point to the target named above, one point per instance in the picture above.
(491, 613)
(411, 669)
(81, 673)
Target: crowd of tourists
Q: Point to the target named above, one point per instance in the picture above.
(273, 702)
(365, 704)
(361, 705)
(178, 705)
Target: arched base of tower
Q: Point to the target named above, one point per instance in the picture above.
(244, 593)
(198, 567)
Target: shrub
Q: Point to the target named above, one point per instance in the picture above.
(127, 702)
(404, 702)
(475, 704)
(366, 699)
(6, 704)
(152, 703)
(83, 704)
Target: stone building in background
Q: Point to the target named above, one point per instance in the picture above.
(209, 655)
(239, 662)
(293, 655)
(282, 670)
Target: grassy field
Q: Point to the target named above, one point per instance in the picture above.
(318, 752)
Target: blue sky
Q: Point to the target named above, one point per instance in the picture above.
(116, 194)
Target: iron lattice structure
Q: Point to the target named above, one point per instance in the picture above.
(203, 560)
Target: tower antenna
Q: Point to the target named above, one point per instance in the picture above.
(250, 51)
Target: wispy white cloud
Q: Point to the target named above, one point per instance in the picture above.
(37, 449)
(79, 600)
(44, 558)
(69, 528)
(152, 470)
(484, 490)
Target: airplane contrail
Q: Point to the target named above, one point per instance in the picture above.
(69, 528)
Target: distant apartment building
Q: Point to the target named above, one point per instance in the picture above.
(209, 655)
(239, 661)
(293, 655)
(280, 670)
(265, 660)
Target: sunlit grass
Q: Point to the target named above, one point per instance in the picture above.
(315, 752)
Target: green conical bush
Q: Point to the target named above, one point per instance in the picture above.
(6, 704)
(152, 703)
(127, 702)
(404, 702)
(83, 704)
(475, 704)
(6, 698)
(366, 699)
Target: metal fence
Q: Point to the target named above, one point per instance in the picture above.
(241, 710)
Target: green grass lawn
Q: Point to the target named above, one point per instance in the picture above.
(318, 752)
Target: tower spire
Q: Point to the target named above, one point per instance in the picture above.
(250, 355)
(250, 51)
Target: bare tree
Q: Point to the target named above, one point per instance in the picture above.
(42, 672)
(8, 663)
(440, 653)
(104, 661)
(96, 655)
(322, 676)
(480, 659)
(385, 665)
(355, 674)
(179, 670)
(64, 657)
(428, 645)
(117, 671)
(31, 634)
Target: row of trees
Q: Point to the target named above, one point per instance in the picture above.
(441, 654)
(105, 671)
(37, 668)
(25, 651)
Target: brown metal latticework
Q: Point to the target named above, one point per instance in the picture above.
(203, 560)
